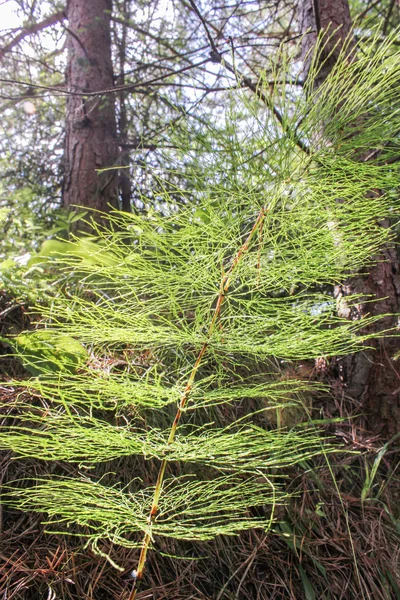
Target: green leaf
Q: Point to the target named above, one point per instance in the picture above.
(93, 253)
(54, 249)
(9, 263)
(308, 588)
(77, 216)
(45, 351)
(394, 584)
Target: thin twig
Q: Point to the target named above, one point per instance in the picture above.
(387, 18)
(31, 30)
(113, 90)
(317, 16)
(216, 57)
(366, 11)
(6, 311)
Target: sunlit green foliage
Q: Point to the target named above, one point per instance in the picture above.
(282, 225)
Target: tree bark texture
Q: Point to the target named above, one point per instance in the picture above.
(91, 140)
(332, 17)
(372, 377)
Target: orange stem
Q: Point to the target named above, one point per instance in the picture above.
(223, 289)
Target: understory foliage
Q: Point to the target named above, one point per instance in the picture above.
(205, 299)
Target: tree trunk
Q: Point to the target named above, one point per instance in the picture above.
(372, 377)
(91, 141)
(331, 17)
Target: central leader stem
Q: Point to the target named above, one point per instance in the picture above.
(223, 289)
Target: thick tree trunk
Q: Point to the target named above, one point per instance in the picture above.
(372, 377)
(91, 142)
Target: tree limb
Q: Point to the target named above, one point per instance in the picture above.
(31, 30)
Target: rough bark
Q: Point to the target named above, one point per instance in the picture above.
(91, 140)
(334, 20)
(371, 377)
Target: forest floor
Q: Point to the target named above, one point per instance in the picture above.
(336, 538)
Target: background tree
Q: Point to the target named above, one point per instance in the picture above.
(90, 132)
(372, 378)
(160, 56)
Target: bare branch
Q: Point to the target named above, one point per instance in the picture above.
(31, 30)
(113, 90)
(216, 56)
